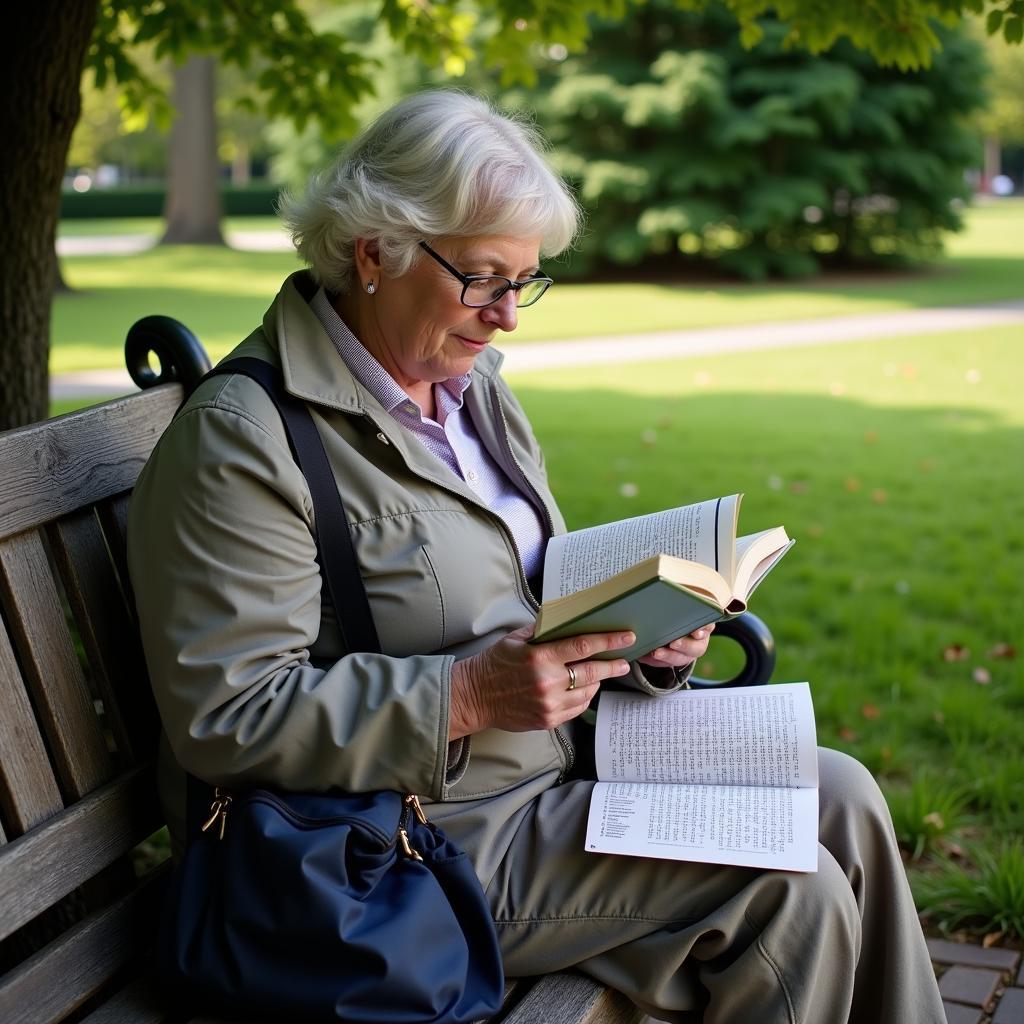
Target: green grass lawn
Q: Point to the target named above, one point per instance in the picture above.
(221, 294)
(896, 463)
(897, 466)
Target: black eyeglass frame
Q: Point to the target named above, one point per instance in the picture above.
(510, 285)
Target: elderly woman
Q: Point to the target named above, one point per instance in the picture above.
(423, 242)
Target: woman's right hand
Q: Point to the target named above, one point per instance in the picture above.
(519, 686)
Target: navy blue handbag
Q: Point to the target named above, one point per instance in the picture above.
(325, 906)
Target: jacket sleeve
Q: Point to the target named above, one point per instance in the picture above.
(227, 587)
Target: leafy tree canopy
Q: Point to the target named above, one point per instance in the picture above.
(687, 148)
(305, 73)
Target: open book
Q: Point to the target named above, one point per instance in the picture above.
(661, 575)
(722, 776)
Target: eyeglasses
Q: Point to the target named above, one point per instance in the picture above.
(479, 290)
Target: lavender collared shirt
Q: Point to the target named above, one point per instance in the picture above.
(452, 437)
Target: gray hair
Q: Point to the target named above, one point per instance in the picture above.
(438, 163)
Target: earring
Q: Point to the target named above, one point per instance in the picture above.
(370, 287)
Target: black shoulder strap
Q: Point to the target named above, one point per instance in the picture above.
(337, 557)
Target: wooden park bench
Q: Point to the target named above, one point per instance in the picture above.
(80, 888)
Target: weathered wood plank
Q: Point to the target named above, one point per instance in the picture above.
(52, 671)
(569, 998)
(28, 791)
(137, 1003)
(42, 866)
(57, 466)
(57, 979)
(108, 632)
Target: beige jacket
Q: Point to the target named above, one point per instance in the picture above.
(247, 665)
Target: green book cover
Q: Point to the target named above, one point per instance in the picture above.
(657, 611)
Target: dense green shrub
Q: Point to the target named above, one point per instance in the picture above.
(688, 149)
(148, 201)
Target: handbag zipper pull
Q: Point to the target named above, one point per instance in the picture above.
(413, 801)
(410, 803)
(407, 846)
(218, 811)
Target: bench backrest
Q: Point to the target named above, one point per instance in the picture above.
(78, 729)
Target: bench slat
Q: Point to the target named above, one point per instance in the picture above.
(569, 998)
(137, 1003)
(59, 978)
(52, 670)
(63, 464)
(28, 791)
(46, 864)
(108, 632)
(113, 516)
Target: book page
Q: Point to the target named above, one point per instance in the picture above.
(746, 825)
(703, 533)
(744, 735)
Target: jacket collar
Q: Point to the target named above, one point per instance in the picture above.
(312, 368)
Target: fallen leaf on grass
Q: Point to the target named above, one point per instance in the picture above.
(982, 676)
(1003, 651)
(871, 711)
(847, 734)
(799, 487)
(993, 938)
(871, 437)
(852, 484)
(879, 496)
(935, 820)
(955, 652)
(629, 490)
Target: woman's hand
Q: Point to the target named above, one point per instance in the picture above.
(518, 686)
(682, 652)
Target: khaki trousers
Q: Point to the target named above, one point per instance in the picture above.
(720, 945)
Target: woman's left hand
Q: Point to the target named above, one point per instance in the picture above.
(682, 652)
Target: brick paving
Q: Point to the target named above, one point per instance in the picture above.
(979, 986)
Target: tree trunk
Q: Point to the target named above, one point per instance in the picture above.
(193, 208)
(42, 53)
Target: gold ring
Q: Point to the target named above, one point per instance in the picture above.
(572, 678)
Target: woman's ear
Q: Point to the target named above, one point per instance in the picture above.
(367, 255)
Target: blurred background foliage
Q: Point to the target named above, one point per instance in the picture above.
(688, 148)
(689, 151)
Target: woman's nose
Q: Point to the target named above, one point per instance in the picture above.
(503, 313)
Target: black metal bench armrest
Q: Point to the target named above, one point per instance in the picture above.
(759, 646)
(181, 354)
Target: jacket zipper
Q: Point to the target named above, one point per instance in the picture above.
(563, 741)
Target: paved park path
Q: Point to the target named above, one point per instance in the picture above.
(634, 348)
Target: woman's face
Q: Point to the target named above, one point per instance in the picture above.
(416, 326)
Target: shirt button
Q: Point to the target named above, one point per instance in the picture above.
(471, 475)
